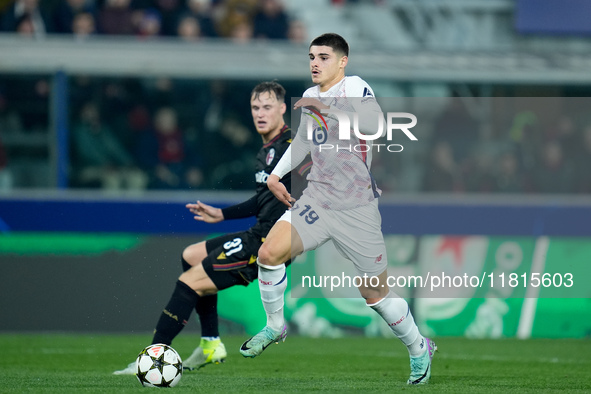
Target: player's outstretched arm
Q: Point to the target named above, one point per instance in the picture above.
(279, 190)
(206, 213)
(310, 103)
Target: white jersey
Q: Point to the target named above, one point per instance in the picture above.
(340, 177)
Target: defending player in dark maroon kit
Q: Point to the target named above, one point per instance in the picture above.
(229, 260)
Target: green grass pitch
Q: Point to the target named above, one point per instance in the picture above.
(60, 363)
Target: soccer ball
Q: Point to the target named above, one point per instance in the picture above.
(159, 365)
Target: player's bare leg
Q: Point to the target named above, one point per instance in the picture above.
(396, 312)
(194, 254)
(283, 242)
(198, 280)
(374, 294)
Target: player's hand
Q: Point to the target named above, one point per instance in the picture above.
(279, 190)
(310, 103)
(205, 213)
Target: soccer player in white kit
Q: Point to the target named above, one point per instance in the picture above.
(339, 204)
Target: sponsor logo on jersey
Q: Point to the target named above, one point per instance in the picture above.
(367, 92)
(270, 156)
(222, 256)
(261, 177)
(378, 259)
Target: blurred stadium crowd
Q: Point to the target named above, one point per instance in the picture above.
(165, 133)
(240, 20)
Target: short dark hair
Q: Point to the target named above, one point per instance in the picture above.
(333, 40)
(268, 87)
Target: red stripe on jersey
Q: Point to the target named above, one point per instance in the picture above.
(305, 168)
(364, 150)
(321, 117)
(229, 267)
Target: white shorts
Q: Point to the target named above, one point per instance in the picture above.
(356, 233)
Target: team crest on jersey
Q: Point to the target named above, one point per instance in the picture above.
(270, 156)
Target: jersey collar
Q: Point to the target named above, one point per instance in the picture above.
(283, 130)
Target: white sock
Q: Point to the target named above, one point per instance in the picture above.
(272, 284)
(395, 311)
(418, 347)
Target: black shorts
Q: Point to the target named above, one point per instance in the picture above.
(232, 259)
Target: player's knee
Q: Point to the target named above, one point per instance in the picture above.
(264, 256)
(267, 256)
(187, 254)
(192, 255)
